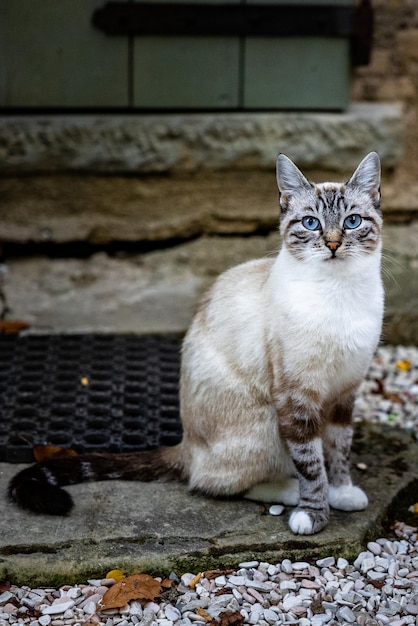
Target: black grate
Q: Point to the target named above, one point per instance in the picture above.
(93, 393)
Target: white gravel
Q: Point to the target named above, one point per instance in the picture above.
(379, 588)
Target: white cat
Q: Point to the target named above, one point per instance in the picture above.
(270, 366)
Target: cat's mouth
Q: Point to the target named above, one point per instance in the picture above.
(334, 257)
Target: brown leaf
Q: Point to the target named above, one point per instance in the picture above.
(12, 327)
(230, 618)
(214, 573)
(393, 397)
(167, 583)
(44, 453)
(136, 587)
(4, 585)
(380, 387)
(376, 583)
(221, 591)
(201, 611)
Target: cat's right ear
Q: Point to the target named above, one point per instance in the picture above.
(289, 179)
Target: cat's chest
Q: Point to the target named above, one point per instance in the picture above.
(327, 332)
(320, 312)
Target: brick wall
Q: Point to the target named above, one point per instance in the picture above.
(393, 72)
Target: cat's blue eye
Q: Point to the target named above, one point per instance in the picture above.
(352, 221)
(311, 223)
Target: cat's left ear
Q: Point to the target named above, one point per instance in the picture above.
(367, 176)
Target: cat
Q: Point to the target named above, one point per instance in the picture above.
(270, 366)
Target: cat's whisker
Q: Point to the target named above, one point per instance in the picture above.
(388, 263)
(392, 257)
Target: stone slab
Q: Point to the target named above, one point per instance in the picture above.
(137, 212)
(159, 527)
(189, 142)
(158, 291)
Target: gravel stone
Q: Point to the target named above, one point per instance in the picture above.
(248, 564)
(276, 509)
(326, 562)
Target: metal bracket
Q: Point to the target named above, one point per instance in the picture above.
(240, 20)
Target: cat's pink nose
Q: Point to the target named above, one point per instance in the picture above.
(333, 245)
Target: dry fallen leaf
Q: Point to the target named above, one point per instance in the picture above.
(167, 583)
(228, 618)
(4, 585)
(44, 453)
(214, 573)
(376, 583)
(222, 591)
(201, 611)
(116, 574)
(195, 580)
(135, 587)
(394, 397)
(404, 366)
(12, 327)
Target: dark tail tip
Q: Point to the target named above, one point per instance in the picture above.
(33, 492)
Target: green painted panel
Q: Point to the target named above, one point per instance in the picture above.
(52, 56)
(186, 72)
(297, 73)
(190, 72)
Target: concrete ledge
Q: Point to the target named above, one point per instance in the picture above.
(157, 527)
(188, 142)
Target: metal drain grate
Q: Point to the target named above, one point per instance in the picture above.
(94, 393)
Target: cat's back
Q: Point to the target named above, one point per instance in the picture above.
(229, 323)
(238, 295)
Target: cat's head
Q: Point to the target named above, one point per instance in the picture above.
(330, 221)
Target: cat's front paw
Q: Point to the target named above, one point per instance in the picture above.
(347, 498)
(306, 522)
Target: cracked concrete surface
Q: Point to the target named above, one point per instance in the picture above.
(159, 527)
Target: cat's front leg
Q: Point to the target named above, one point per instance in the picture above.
(312, 512)
(337, 439)
(300, 423)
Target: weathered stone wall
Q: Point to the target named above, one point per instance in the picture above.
(393, 72)
(188, 142)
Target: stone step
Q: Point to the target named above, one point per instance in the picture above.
(157, 292)
(189, 142)
(152, 211)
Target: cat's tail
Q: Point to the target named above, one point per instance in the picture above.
(38, 488)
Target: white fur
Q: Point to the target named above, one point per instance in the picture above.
(338, 331)
(285, 492)
(300, 523)
(347, 498)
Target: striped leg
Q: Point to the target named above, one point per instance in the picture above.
(300, 426)
(312, 513)
(337, 439)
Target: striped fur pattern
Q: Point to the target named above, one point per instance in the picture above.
(270, 365)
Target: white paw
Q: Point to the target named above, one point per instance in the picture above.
(347, 498)
(286, 492)
(300, 523)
